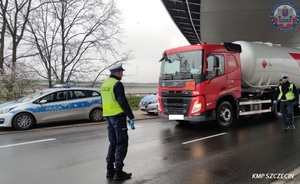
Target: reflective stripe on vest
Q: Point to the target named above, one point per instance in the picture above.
(289, 95)
(110, 105)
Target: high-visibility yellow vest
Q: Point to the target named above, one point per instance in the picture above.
(110, 105)
(289, 95)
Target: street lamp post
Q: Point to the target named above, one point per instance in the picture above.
(137, 76)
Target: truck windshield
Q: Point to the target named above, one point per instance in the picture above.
(182, 65)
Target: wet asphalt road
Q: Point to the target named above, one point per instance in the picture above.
(160, 152)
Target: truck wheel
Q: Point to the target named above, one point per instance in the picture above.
(225, 115)
(23, 121)
(96, 115)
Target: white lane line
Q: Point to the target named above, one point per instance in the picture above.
(203, 138)
(24, 143)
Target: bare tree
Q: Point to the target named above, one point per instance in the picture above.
(14, 18)
(15, 15)
(44, 28)
(76, 39)
(3, 7)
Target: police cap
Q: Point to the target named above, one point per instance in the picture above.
(284, 76)
(116, 68)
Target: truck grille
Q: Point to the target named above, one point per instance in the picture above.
(172, 105)
(176, 93)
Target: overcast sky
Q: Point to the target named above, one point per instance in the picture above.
(149, 30)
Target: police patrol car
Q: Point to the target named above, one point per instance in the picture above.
(149, 104)
(50, 105)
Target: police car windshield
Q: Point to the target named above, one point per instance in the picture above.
(33, 96)
(182, 65)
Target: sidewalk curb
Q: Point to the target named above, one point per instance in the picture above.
(140, 115)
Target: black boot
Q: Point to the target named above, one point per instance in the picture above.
(292, 127)
(110, 172)
(121, 175)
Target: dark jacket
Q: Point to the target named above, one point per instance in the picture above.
(121, 98)
(285, 89)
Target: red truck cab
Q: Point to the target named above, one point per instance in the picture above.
(200, 83)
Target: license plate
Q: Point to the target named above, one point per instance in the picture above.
(176, 117)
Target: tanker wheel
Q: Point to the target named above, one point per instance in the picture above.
(225, 115)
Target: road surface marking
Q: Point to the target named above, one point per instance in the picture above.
(203, 138)
(24, 143)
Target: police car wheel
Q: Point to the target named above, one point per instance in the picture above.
(96, 115)
(23, 121)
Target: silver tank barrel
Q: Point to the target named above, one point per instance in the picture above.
(262, 64)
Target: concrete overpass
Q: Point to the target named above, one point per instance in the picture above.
(216, 21)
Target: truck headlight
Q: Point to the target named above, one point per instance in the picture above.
(196, 107)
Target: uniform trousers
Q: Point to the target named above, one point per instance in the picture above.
(118, 141)
(286, 109)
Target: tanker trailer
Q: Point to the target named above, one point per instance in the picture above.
(222, 82)
(262, 64)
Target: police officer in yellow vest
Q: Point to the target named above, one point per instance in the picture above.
(288, 96)
(116, 109)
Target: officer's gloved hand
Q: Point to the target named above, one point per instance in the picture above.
(274, 101)
(131, 124)
(295, 103)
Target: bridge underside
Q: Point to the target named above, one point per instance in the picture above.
(216, 21)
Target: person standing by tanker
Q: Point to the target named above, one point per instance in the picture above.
(116, 109)
(288, 95)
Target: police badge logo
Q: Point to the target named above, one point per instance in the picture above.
(285, 16)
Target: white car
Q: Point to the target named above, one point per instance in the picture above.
(149, 104)
(50, 105)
